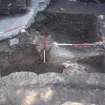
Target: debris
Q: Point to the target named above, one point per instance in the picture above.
(14, 41)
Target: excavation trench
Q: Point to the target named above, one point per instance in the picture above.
(63, 28)
(71, 28)
(25, 53)
(76, 29)
(25, 59)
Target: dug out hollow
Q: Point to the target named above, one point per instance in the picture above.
(20, 54)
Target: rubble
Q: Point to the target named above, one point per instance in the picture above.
(26, 88)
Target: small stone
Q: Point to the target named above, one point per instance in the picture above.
(76, 103)
(72, 103)
(101, 17)
(23, 30)
(14, 41)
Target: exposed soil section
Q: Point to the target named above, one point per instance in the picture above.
(63, 27)
(76, 29)
(72, 28)
(23, 56)
(25, 59)
(97, 62)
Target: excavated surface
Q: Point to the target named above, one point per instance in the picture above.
(80, 71)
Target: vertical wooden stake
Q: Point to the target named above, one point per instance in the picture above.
(44, 55)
